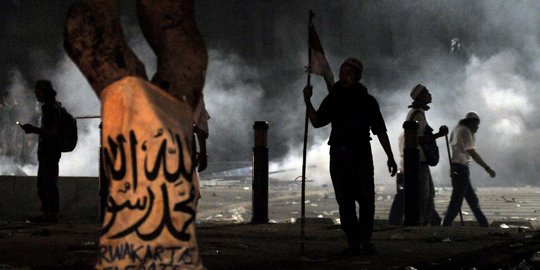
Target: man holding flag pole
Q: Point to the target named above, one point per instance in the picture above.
(353, 113)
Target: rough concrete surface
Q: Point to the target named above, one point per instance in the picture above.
(228, 241)
(277, 246)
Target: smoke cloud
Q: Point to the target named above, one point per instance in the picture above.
(494, 72)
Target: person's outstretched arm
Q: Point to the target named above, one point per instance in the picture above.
(476, 157)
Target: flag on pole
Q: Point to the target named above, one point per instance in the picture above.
(317, 63)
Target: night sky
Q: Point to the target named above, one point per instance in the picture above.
(258, 50)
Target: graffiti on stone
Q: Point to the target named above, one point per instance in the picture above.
(149, 216)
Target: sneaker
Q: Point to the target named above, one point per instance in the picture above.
(435, 221)
(53, 219)
(368, 249)
(37, 220)
(43, 219)
(350, 252)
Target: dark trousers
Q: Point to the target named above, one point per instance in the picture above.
(426, 191)
(462, 188)
(47, 181)
(351, 169)
(397, 209)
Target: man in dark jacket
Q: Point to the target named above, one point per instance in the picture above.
(353, 113)
(48, 151)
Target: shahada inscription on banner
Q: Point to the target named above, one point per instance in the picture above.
(150, 214)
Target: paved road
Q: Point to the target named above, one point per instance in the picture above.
(276, 246)
(231, 201)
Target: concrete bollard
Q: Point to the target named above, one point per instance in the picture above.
(260, 174)
(411, 156)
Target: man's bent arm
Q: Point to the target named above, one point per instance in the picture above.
(312, 115)
(42, 131)
(311, 112)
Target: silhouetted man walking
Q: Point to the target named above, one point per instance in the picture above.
(353, 113)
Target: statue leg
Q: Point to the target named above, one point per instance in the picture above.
(94, 40)
(147, 130)
(171, 30)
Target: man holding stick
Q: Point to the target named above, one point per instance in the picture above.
(421, 97)
(426, 190)
(353, 113)
(462, 141)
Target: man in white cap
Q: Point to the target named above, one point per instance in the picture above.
(462, 141)
(426, 190)
(353, 113)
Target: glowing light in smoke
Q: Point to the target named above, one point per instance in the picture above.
(506, 99)
(508, 127)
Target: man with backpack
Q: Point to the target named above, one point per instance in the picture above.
(428, 154)
(49, 150)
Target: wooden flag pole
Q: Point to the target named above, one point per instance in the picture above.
(304, 154)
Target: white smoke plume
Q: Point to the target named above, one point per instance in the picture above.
(77, 97)
(495, 75)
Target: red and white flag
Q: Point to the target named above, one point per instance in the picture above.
(317, 61)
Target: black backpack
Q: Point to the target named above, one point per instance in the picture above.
(68, 131)
(430, 148)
